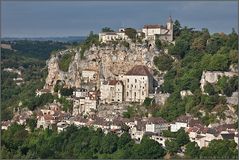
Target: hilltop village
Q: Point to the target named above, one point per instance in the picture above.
(116, 75)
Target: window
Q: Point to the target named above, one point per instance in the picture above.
(135, 80)
(135, 94)
(127, 80)
(118, 100)
(135, 86)
(127, 94)
(142, 93)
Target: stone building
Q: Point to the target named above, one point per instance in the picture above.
(84, 101)
(138, 84)
(88, 75)
(112, 91)
(112, 36)
(154, 31)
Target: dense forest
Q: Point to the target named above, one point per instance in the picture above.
(87, 143)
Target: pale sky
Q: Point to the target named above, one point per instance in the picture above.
(71, 18)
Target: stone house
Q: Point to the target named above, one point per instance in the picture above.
(80, 93)
(138, 84)
(112, 36)
(112, 91)
(79, 121)
(89, 75)
(181, 122)
(156, 125)
(154, 31)
(204, 135)
(116, 124)
(157, 137)
(99, 122)
(49, 116)
(84, 101)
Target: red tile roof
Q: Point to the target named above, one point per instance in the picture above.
(139, 70)
(114, 82)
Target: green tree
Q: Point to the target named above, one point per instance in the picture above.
(176, 28)
(192, 150)
(148, 148)
(224, 149)
(171, 146)
(209, 88)
(31, 123)
(131, 33)
(124, 140)
(163, 62)
(107, 29)
(109, 143)
(158, 44)
(182, 137)
(66, 91)
(181, 48)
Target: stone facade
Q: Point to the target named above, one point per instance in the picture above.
(138, 84)
(112, 36)
(111, 91)
(165, 33)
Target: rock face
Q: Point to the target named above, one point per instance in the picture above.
(70, 78)
(233, 100)
(213, 76)
(108, 61)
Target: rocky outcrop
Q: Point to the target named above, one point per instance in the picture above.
(233, 100)
(108, 61)
(213, 76)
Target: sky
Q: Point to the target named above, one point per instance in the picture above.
(75, 18)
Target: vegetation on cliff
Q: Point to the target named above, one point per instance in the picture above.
(196, 51)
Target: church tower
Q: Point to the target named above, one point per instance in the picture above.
(170, 28)
(170, 23)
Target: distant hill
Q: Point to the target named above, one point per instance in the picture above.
(57, 39)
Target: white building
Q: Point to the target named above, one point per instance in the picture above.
(112, 36)
(154, 31)
(84, 102)
(181, 122)
(88, 75)
(80, 92)
(156, 125)
(111, 91)
(138, 84)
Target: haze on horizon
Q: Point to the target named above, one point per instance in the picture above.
(61, 18)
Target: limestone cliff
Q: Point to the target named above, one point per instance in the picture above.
(107, 61)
